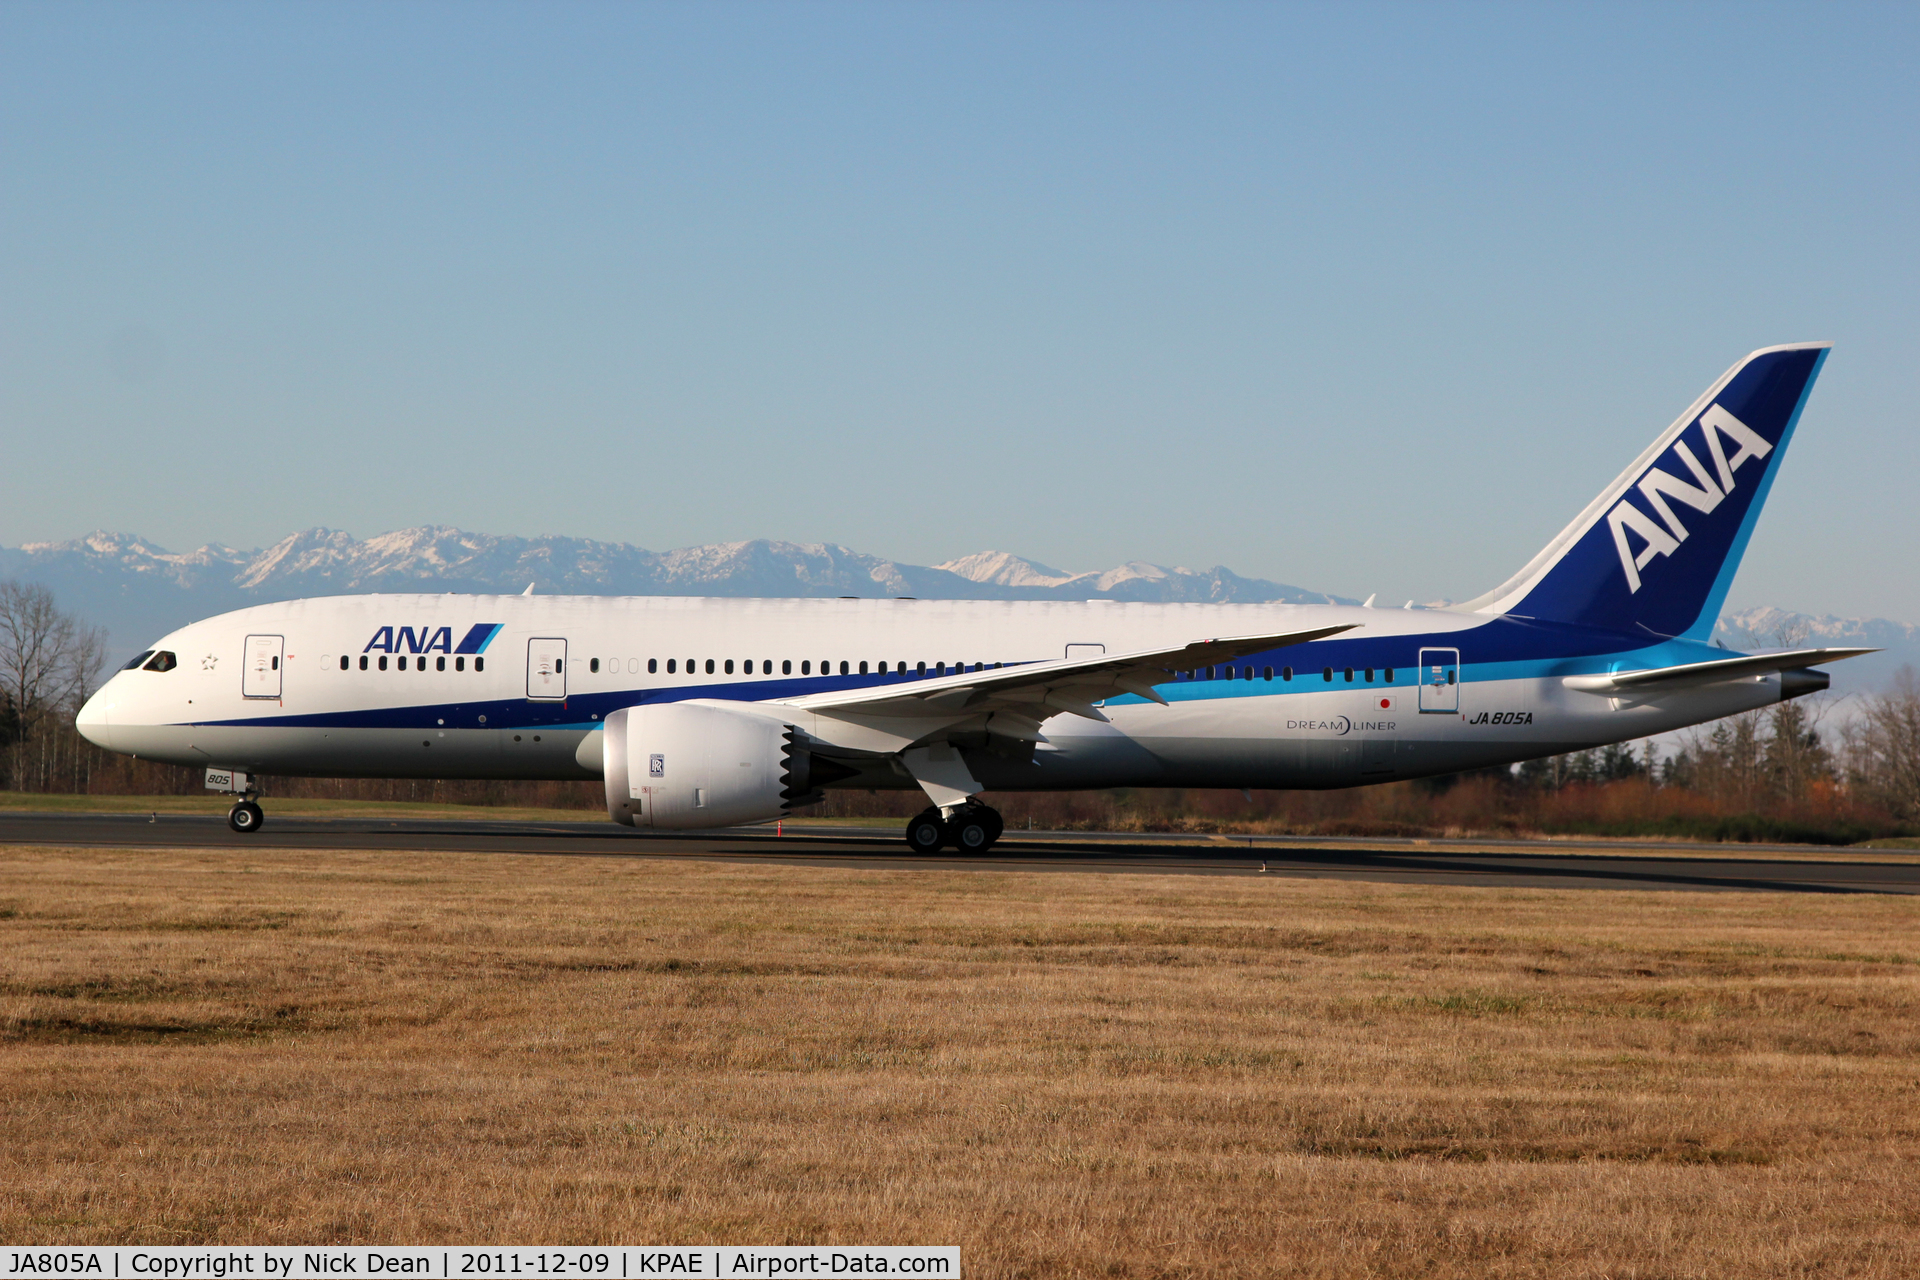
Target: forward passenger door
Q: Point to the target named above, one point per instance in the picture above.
(260, 670)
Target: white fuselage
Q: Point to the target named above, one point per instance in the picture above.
(1411, 693)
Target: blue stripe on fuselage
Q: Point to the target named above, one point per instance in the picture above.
(1505, 648)
(478, 637)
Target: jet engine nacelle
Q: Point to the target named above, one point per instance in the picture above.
(680, 766)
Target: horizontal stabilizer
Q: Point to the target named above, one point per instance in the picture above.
(1698, 673)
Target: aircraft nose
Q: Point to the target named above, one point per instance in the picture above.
(95, 720)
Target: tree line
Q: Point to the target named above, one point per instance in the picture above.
(50, 663)
(1773, 759)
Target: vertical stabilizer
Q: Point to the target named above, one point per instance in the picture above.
(1657, 550)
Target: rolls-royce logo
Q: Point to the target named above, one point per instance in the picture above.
(656, 766)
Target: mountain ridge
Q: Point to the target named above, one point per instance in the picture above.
(138, 589)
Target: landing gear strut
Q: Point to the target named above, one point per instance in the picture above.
(971, 828)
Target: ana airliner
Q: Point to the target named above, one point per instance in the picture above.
(709, 712)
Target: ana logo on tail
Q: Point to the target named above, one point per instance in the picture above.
(1657, 486)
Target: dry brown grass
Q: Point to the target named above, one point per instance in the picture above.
(1063, 1074)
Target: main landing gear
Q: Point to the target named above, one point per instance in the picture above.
(245, 817)
(971, 828)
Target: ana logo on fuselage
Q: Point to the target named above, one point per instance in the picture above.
(432, 639)
(1663, 539)
(405, 640)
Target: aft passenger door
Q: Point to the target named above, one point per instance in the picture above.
(1439, 681)
(546, 670)
(260, 670)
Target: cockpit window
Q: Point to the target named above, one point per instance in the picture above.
(138, 659)
(162, 661)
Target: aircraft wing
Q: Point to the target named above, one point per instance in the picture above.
(1035, 691)
(1719, 669)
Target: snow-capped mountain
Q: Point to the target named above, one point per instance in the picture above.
(138, 590)
(1136, 580)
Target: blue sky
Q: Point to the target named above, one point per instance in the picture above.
(1364, 298)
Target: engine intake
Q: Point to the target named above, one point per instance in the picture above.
(682, 766)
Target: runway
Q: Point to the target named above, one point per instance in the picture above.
(1526, 864)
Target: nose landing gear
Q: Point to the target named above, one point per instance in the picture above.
(971, 828)
(245, 816)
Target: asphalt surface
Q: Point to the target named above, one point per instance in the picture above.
(1529, 864)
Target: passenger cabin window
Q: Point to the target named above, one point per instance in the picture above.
(439, 664)
(1266, 673)
(1349, 675)
(729, 666)
(710, 666)
(786, 666)
(161, 661)
(144, 654)
(1286, 673)
(459, 664)
(344, 663)
(653, 666)
(1388, 673)
(593, 666)
(479, 664)
(383, 662)
(1327, 675)
(363, 662)
(844, 671)
(806, 667)
(672, 664)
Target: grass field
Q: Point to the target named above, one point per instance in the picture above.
(1066, 1075)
